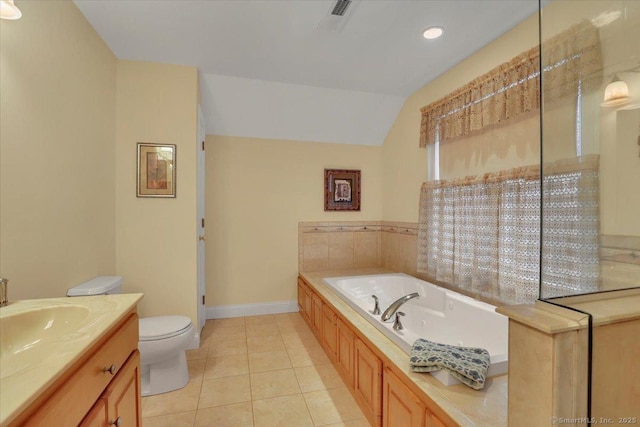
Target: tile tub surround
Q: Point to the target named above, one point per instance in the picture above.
(257, 371)
(467, 407)
(334, 245)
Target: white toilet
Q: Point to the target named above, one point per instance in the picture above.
(162, 342)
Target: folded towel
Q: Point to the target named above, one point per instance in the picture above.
(467, 364)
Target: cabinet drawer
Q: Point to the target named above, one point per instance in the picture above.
(69, 405)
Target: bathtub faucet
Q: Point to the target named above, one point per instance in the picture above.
(391, 310)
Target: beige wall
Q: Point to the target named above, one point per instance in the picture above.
(257, 191)
(405, 165)
(156, 238)
(58, 85)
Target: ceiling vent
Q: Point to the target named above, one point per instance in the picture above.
(337, 16)
(341, 7)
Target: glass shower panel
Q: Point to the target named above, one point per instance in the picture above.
(590, 122)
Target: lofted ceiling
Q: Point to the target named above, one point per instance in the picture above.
(374, 56)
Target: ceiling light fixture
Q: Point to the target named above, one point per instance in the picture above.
(432, 33)
(616, 93)
(8, 10)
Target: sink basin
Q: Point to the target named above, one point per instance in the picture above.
(26, 336)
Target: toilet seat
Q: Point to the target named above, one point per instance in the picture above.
(162, 327)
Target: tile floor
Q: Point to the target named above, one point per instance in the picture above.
(262, 371)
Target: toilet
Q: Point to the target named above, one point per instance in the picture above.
(162, 341)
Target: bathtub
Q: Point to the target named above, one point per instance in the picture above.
(438, 315)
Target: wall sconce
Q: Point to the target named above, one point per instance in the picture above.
(616, 93)
(8, 10)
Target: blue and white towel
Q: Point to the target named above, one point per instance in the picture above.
(467, 364)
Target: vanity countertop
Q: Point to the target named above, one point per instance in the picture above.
(467, 407)
(42, 338)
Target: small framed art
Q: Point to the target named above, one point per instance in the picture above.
(156, 170)
(341, 190)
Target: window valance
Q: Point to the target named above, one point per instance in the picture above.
(572, 62)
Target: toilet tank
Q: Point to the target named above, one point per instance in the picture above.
(101, 285)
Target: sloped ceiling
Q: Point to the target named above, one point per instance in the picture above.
(269, 69)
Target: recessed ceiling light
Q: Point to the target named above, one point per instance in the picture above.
(432, 32)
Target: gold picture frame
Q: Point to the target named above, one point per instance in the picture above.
(156, 170)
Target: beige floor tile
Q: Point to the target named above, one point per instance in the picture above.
(319, 377)
(269, 361)
(362, 422)
(265, 343)
(307, 356)
(196, 369)
(228, 327)
(226, 366)
(225, 391)
(269, 384)
(227, 346)
(183, 400)
(181, 419)
(257, 330)
(332, 406)
(283, 411)
(236, 415)
(299, 339)
(260, 320)
(199, 353)
(286, 317)
(228, 322)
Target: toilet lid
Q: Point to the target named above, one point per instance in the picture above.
(159, 327)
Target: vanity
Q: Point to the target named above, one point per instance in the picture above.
(70, 362)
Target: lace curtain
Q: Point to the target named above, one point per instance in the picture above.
(512, 89)
(482, 234)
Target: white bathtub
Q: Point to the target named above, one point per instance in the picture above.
(438, 315)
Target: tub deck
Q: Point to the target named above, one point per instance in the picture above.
(467, 407)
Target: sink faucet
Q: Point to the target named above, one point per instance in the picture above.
(3, 292)
(390, 311)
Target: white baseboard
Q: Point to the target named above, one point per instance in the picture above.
(241, 310)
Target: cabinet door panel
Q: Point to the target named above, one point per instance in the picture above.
(368, 381)
(97, 417)
(123, 394)
(431, 420)
(345, 352)
(301, 295)
(329, 331)
(317, 316)
(400, 407)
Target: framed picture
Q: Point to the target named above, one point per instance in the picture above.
(156, 170)
(341, 190)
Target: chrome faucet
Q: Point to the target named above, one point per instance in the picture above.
(390, 311)
(376, 308)
(397, 325)
(3, 292)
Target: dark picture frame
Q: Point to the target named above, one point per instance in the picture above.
(341, 190)
(156, 170)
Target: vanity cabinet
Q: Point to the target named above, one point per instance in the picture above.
(101, 386)
(118, 404)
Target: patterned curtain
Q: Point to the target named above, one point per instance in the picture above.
(512, 89)
(482, 234)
